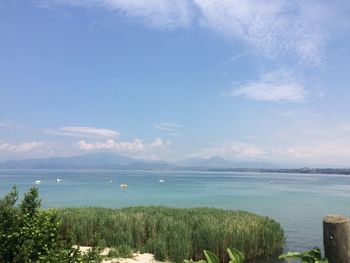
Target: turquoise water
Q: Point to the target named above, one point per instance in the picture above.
(297, 201)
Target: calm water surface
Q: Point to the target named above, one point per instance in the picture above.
(297, 201)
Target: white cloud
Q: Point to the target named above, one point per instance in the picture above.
(77, 131)
(130, 147)
(299, 152)
(22, 147)
(283, 28)
(134, 147)
(158, 143)
(279, 86)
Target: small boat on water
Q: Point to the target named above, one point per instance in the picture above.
(161, 181)
(38, 182)
(123, 186)
(272, 182)
(58, 180)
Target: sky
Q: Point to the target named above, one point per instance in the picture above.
(245, 80)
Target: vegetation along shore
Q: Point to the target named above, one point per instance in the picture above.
(174, 234)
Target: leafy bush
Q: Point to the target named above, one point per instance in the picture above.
(308, 256)
(235, 255)
(173, 233)
(28, 234)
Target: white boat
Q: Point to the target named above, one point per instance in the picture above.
(272, 182)
(38, 182)
(58, 180)
(123, 186)
(161, 181)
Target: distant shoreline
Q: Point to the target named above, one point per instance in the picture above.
(314, 171)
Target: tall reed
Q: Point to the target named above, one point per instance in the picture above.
(174, 234)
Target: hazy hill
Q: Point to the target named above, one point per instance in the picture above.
(217, 162)
(87, 161)
(109, 160)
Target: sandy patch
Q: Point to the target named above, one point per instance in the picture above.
(84, 249)
(137, 257)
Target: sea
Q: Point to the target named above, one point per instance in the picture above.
(297, 201)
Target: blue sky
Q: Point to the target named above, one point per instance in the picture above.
(173, 79)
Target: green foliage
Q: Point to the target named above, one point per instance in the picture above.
(31, 203)
(308, 256)
(158, 247)
(211, 257)
(192, 261)
(236, 256)
(172, 233)
(28, 234)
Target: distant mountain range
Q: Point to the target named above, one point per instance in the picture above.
(217, 162)
(87, 161)
(115, 161)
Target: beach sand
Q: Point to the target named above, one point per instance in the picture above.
(137, 257)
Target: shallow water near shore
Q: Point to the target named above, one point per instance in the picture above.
(297, 201)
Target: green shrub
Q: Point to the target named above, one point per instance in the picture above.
(308, 256)
(235, 256)
(28, 234)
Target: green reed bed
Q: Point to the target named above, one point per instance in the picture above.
(172, 233)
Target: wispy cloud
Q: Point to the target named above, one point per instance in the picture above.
(272, 28)
(278, 86)
(167, 126)
(225, 63)
(160, 14)
(78, 131)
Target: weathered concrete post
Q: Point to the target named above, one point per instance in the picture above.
(336, 239)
